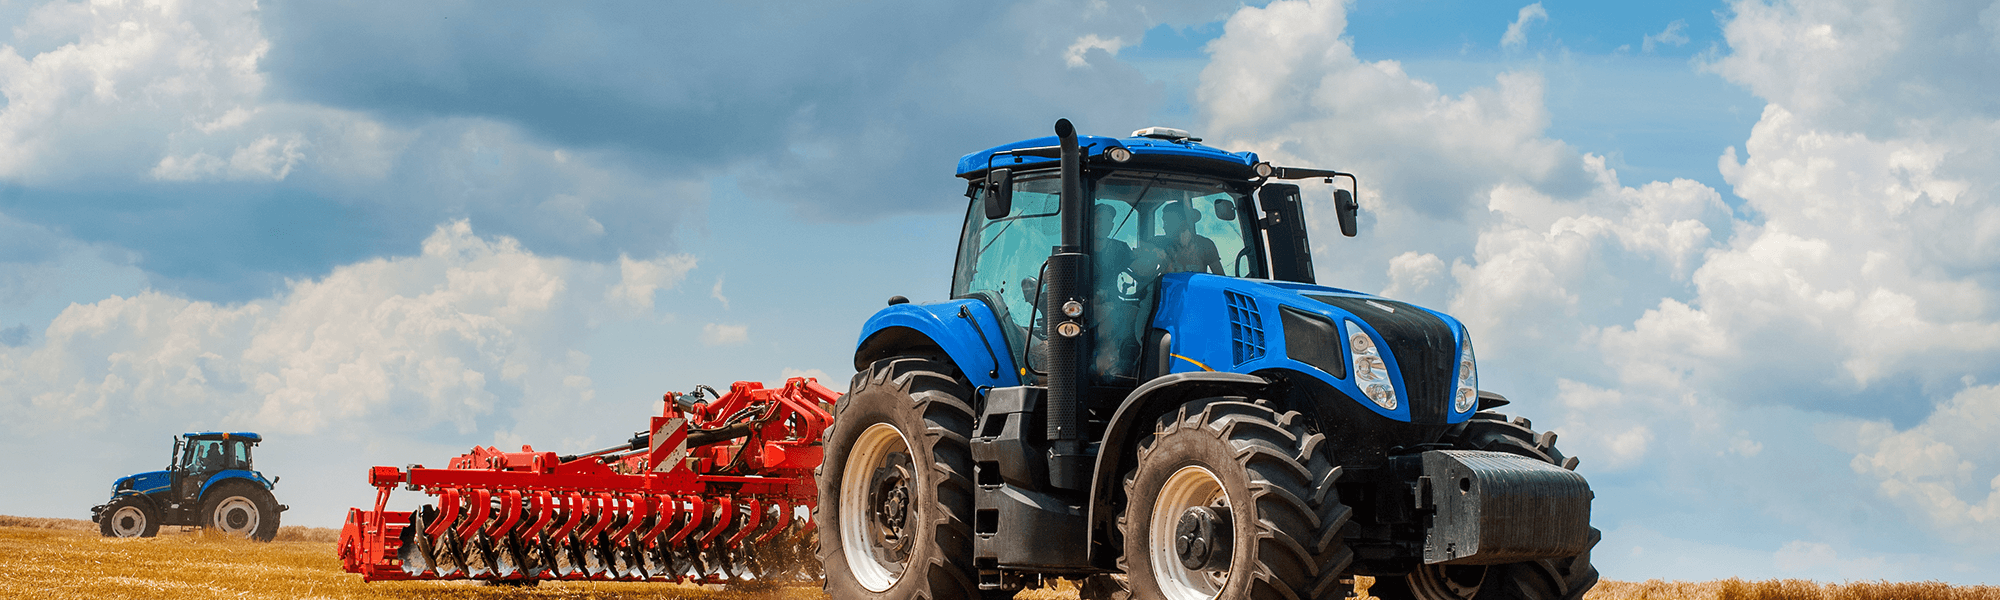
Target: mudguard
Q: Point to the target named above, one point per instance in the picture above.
(226, 475)
(966, 330)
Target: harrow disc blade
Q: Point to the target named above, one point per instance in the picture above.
(446, 560)
(684, 562)
(535, 556)
(596, 561)
(478, 553)
(506, 559)
(416, 553)
(568, 559)
(631, 563)
(658, 562)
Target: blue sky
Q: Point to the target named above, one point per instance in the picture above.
(1742, 256)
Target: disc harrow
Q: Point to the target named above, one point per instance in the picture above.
(718, 490)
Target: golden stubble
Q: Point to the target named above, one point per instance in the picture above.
(65, 559)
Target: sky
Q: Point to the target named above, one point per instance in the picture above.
(1744, 257)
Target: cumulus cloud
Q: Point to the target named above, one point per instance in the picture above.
(1517, 32)
(185, 91)
(1944, 467)
(452, 336)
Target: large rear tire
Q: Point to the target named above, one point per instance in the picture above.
(131, 516)
(240, 508)
(1230, 499)
(895, 489)
(1550, 579)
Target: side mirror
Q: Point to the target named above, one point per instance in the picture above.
(999, 193)
(1345, 206)
(1225, 209)
(1031, 290)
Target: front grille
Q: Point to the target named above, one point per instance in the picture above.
(1423, 345)
(1246, 328)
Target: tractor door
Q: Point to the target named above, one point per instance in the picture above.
(1000, 262)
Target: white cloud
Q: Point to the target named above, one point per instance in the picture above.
(1517, 32)
(1943, 468)
(790, 372)
(719, 334)
(135, 72)
(468, 329)
(1413, 273)
(1077, 56)
(716, 293)
(639, 279)
(1674, 35)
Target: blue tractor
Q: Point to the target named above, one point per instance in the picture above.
(209, 482)
(1138, 386)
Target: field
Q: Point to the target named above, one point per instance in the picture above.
(67, 560)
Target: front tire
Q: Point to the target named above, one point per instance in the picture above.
(895, 490)
(241, 509)
(1230, 499)
(131, 516)
(1549, 579)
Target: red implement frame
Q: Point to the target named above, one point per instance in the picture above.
(723, 511)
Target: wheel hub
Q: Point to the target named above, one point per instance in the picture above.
(889, 495)
(1202, 538)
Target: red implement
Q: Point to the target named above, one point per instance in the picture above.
(715, 492)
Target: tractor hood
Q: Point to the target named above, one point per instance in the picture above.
(1247, 326)
(143, 483)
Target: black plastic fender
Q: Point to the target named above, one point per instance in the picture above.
(1138, 411)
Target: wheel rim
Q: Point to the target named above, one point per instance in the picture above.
(235, 515)
(1190, 487)
(1446, 582)
(128, 521)
(876, 501)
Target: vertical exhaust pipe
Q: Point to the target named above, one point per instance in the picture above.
(1067, 345)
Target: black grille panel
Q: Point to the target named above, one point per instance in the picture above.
(1423, 346)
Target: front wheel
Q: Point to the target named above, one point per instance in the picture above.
(131, 516)
(895, 490)
(241, 509)
(1230, 499)
(1565, 578)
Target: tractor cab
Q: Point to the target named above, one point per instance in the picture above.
(199, 456)
(1155, 204)
(210, 481)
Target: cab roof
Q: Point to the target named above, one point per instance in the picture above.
(221, 435)
(1176, 154)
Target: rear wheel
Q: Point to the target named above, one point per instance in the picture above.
(1230, 499)
(240, 508)
(131, 516)
(895, 489)
(1564, 578)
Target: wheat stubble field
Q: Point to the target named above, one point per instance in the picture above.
(67, 560)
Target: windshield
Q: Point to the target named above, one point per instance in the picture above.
(215, 455)
(1143, 225)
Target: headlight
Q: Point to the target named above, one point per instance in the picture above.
(1369, 371)
(1468, 378)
